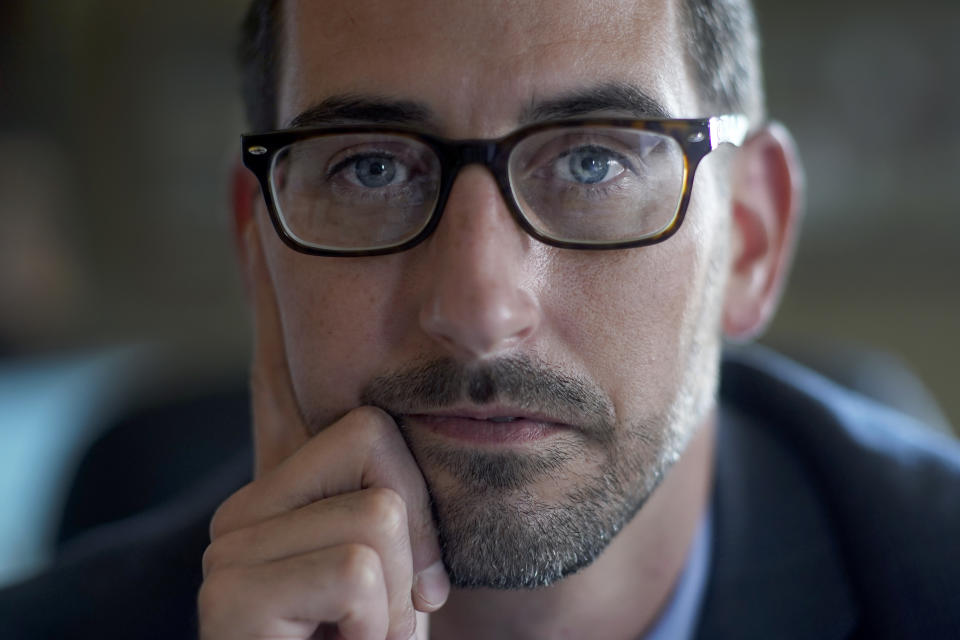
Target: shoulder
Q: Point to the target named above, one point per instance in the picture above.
(135, 578)
(882, 493)
(125, 580)
(853, 445)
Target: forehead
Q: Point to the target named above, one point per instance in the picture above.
(478, 64)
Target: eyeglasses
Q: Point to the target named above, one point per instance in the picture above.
(577, 184)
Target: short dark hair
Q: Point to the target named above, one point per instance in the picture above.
(721, 48)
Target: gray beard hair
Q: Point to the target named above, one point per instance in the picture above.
(494, 532)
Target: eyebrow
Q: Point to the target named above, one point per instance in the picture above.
(372, 109)
(361, 109)
(611, 96)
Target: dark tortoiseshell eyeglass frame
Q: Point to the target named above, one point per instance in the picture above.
(696, 137)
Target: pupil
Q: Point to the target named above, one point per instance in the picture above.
(375, 172)
(588, 168)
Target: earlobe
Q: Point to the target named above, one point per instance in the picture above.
(766, 206)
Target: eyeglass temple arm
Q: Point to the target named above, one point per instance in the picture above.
(731, 129)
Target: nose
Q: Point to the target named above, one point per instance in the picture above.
(479, 300)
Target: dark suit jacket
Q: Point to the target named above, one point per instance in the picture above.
(833, 518)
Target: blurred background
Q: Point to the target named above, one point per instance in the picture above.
(119, 121)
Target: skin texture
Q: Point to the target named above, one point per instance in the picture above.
(337, 529)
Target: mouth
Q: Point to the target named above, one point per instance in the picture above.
(493, 426)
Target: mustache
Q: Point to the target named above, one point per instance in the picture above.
(519, 381)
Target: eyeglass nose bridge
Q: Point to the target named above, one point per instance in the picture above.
(490, 154)
(476, 152)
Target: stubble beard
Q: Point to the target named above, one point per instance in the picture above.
(495, 530)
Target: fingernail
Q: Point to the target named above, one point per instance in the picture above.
(433, 585)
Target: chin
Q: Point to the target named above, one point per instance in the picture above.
(523, 519)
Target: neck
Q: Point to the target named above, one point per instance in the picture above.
(603, 601)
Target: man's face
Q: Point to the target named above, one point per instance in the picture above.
(608, 357)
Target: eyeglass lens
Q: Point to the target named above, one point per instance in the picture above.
(576, 184)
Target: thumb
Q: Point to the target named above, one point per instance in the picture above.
(423, 626)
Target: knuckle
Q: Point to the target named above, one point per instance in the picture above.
(211, 559)
(223, 518)
(375, 429)
(222, 551)
(386, 512)
(218, 523)
(370, 423)
(359, 572)
(215, 595)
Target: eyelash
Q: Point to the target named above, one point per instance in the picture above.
(355, 158)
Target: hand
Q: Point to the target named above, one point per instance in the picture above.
(337, 540)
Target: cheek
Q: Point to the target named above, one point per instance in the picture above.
(629, 318)
(336, 328)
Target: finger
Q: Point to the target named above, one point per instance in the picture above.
(280, 425)
(423, 626)
(376, 518)
(362, 450)
(290, 598)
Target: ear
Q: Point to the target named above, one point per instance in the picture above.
(767, 194)
(244, 191)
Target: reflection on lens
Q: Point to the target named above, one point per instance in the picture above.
(355, 191)
(598, 184)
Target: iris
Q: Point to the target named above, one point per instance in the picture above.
(375, 171)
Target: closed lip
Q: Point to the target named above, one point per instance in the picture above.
(489, 426)
(491, 413)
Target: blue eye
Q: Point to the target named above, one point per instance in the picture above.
(589, 165)
(375, 171)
